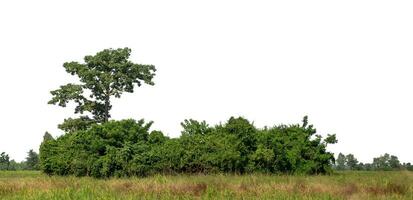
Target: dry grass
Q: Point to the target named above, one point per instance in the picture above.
(390, 188)
(347, 185)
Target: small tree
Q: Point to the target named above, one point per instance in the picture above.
(106, 74)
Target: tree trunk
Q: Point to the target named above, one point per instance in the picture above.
(107, 104)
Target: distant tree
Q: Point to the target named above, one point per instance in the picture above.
(361, 166)
(17, 165)
(386, 162)
(368, 167)
(108, 73)
(352, 162)
(408, 166)
(341, 162)
(394, 162)
(4, 161)
(32, 160)
(13, 165)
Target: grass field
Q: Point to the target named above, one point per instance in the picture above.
(344, 185)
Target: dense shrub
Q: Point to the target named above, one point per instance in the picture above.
(128, 148)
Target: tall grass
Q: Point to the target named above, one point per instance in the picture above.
(343, 185)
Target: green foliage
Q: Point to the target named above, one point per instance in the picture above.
(47, 136)
(4, 161)
(14, 166)
(340, 162)
(106, 74)
(32, 160)
(407, 166)
(31, 163)
(96, 147)
(352, 162)
(385, 162)
(128, 148)
(71, 125)
(193, 127)
(101, 151)
(297, 149)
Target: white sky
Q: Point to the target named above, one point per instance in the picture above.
(346, 64)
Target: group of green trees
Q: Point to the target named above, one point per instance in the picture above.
(31, 162)
(128, 148)
(95, 146)
(384, 162)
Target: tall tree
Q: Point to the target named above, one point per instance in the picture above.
(106, 74)
(382, 162)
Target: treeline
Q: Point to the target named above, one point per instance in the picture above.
(128, 148)
(384, 162)
(31, 162)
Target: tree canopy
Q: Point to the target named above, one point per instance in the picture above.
(107, 73)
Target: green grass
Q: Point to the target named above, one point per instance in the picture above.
(344, 185)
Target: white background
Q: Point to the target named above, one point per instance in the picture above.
(346, 64)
